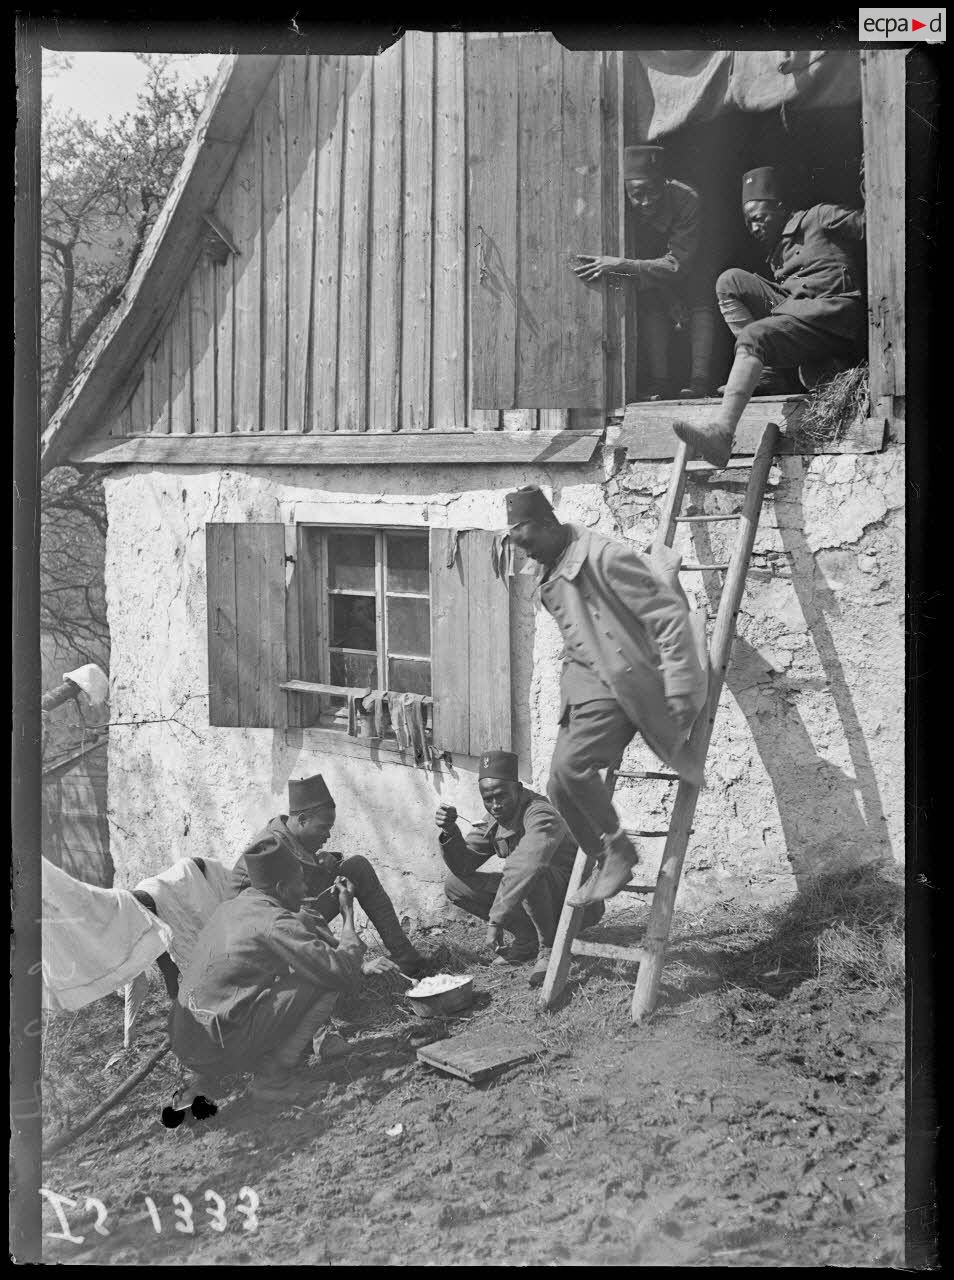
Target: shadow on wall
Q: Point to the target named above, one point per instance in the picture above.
(831, 821)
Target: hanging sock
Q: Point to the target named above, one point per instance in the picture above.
(713, 440)
(376, 703)
(399, 720)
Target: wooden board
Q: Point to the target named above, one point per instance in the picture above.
(353, 285)
(883, 118)
(646, 430)
(301, 120)
(247, 230)
(418, 47)
(366, 449)
(476, 1055)
(387, 183)
(332, 78)
(449, 353)
(274, 257)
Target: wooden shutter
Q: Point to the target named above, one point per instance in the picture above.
(883, 116)
(245, 574)
(543, 146)
(470, 645)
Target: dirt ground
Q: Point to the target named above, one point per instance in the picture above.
(757, 1119)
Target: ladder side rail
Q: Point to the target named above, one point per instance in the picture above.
(672, 502)
(661, 911)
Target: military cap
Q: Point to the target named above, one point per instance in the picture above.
(762, 184)
(527, 503)
(498, 764)
(268, 862)
(643, 162)
(308, 793)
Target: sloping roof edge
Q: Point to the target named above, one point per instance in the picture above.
(167, 255)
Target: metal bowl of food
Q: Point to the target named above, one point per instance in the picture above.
(442, 994)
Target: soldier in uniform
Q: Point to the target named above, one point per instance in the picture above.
(668, 269)
(526, 898)
(304, 832)
(813, 316)
(631, 663)
(263, 979)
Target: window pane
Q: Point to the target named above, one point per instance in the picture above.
(351, 561)
(409, 626)
(407, 563)
(354, 670)
(406, 676)
(353, 624)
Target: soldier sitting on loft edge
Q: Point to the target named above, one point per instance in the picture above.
(813, 317)
(304, 831)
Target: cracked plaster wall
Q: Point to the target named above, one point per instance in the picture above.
(805, 772)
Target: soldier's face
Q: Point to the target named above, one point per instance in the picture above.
(764, 220)
(292, 891)
(643, 194)
(313, 827)
(500, 798)
(539, 540)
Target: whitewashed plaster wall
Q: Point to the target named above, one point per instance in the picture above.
(805, 772)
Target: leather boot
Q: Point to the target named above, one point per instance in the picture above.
(615, 872)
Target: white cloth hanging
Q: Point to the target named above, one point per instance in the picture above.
(93, 940)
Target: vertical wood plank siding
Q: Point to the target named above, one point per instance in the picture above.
(883, 117)
(348, 306)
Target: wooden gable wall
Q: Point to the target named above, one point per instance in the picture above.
(348, 304)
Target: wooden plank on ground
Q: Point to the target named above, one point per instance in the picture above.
(274, 256)
(225, 274)
(248, 281)
(478, 1054)
(646, 431)
(332, 110)
(491, 69)
(301, 123)
(387, 185)
(457, 447)
(450, 237)
(202, 319)
(352, 412)
(416, 315)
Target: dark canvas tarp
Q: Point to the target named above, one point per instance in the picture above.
(674, 88)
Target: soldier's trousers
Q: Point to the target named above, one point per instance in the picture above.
(592, 736)
(370, 895)
(537, 916)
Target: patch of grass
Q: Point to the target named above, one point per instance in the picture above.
(832, 407)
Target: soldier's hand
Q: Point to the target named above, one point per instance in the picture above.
(682, 712)
(378, 964)
(494, 936)
(446, 817)
(345, 891)
(590, 266)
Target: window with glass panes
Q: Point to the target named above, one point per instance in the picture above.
(372, 610)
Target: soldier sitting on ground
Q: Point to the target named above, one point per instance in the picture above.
(263, 979)
(304, 832)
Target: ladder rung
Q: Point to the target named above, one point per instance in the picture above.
(607, 951)
(646, 773)
(696, 568)
(689, 519)
(638, 888)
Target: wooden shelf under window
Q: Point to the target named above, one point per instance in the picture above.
(335, 690)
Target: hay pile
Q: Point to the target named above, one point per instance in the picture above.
(834, 406)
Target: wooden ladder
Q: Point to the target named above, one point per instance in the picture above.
(650, 956)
